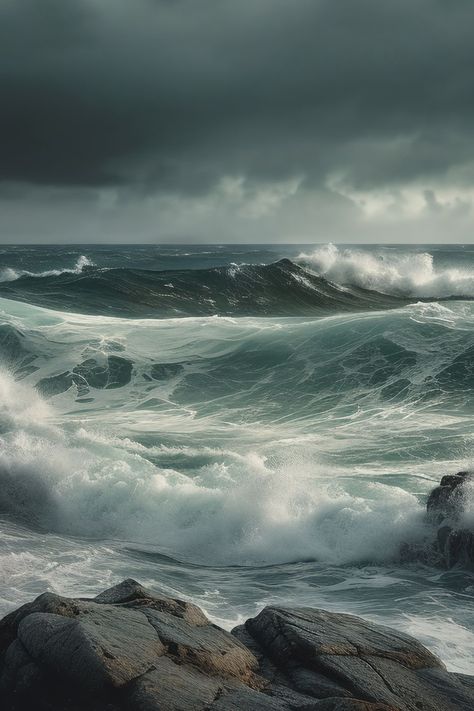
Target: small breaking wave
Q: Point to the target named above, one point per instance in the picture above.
(408, 274)
(8, 274)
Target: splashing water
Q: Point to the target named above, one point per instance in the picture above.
(409, 275)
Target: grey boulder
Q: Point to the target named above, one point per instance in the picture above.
(130, 649)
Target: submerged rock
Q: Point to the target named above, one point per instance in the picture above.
(130, 649)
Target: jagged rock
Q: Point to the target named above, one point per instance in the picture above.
(361, 660)
(173, 686)
(130, 649)
(213, 650)
(447, 500)
(131, 592)
(446, 506)
(101, 647)
(351, 705)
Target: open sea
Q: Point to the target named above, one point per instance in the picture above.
(237, 425)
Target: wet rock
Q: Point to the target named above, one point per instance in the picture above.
(247, 699)
(446, 507)
(98, 649)
(172, 686)
(352, 705)
(213, 650)
(129, 592)
(365, 663)
(130, 648)
(447, 501)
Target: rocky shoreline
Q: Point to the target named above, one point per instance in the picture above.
(129, 649)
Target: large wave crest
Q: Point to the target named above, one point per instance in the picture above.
(406, 274)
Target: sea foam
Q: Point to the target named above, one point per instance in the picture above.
(399, 273)
(10, 274)
(239, 508)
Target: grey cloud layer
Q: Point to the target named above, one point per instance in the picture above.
(171, 95)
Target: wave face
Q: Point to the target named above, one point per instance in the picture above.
(279, 289)
(403, 273)
(144, 282)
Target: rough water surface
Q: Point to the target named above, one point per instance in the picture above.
(249, 426)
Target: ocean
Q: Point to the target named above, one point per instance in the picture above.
(240, 425)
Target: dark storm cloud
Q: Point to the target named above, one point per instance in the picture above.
(172, 95)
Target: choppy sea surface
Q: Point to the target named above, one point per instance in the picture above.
(240, 425)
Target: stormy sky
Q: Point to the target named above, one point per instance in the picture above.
(236, 120)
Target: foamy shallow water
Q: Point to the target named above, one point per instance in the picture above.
(435, 607)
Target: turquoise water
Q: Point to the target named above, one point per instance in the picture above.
(222, 424)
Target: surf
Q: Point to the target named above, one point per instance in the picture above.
(226, 448)
(398, 273)
(278, 289)
(216, 417)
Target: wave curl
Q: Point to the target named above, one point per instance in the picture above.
(408, 275)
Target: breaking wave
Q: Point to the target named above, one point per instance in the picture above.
(235, 440)
(408, 275)
(9, 274)
(279, 289)
(231, 511)
(328, 280)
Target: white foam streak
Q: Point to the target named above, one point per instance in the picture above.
(9, 274)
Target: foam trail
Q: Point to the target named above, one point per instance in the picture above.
(401, 274)
(9, 274)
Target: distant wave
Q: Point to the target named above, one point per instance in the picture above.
(327, 281)
(8, 274)
(279, 289)
(408, 275)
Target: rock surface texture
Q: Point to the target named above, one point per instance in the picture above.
(132, 650)
(447, 507)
